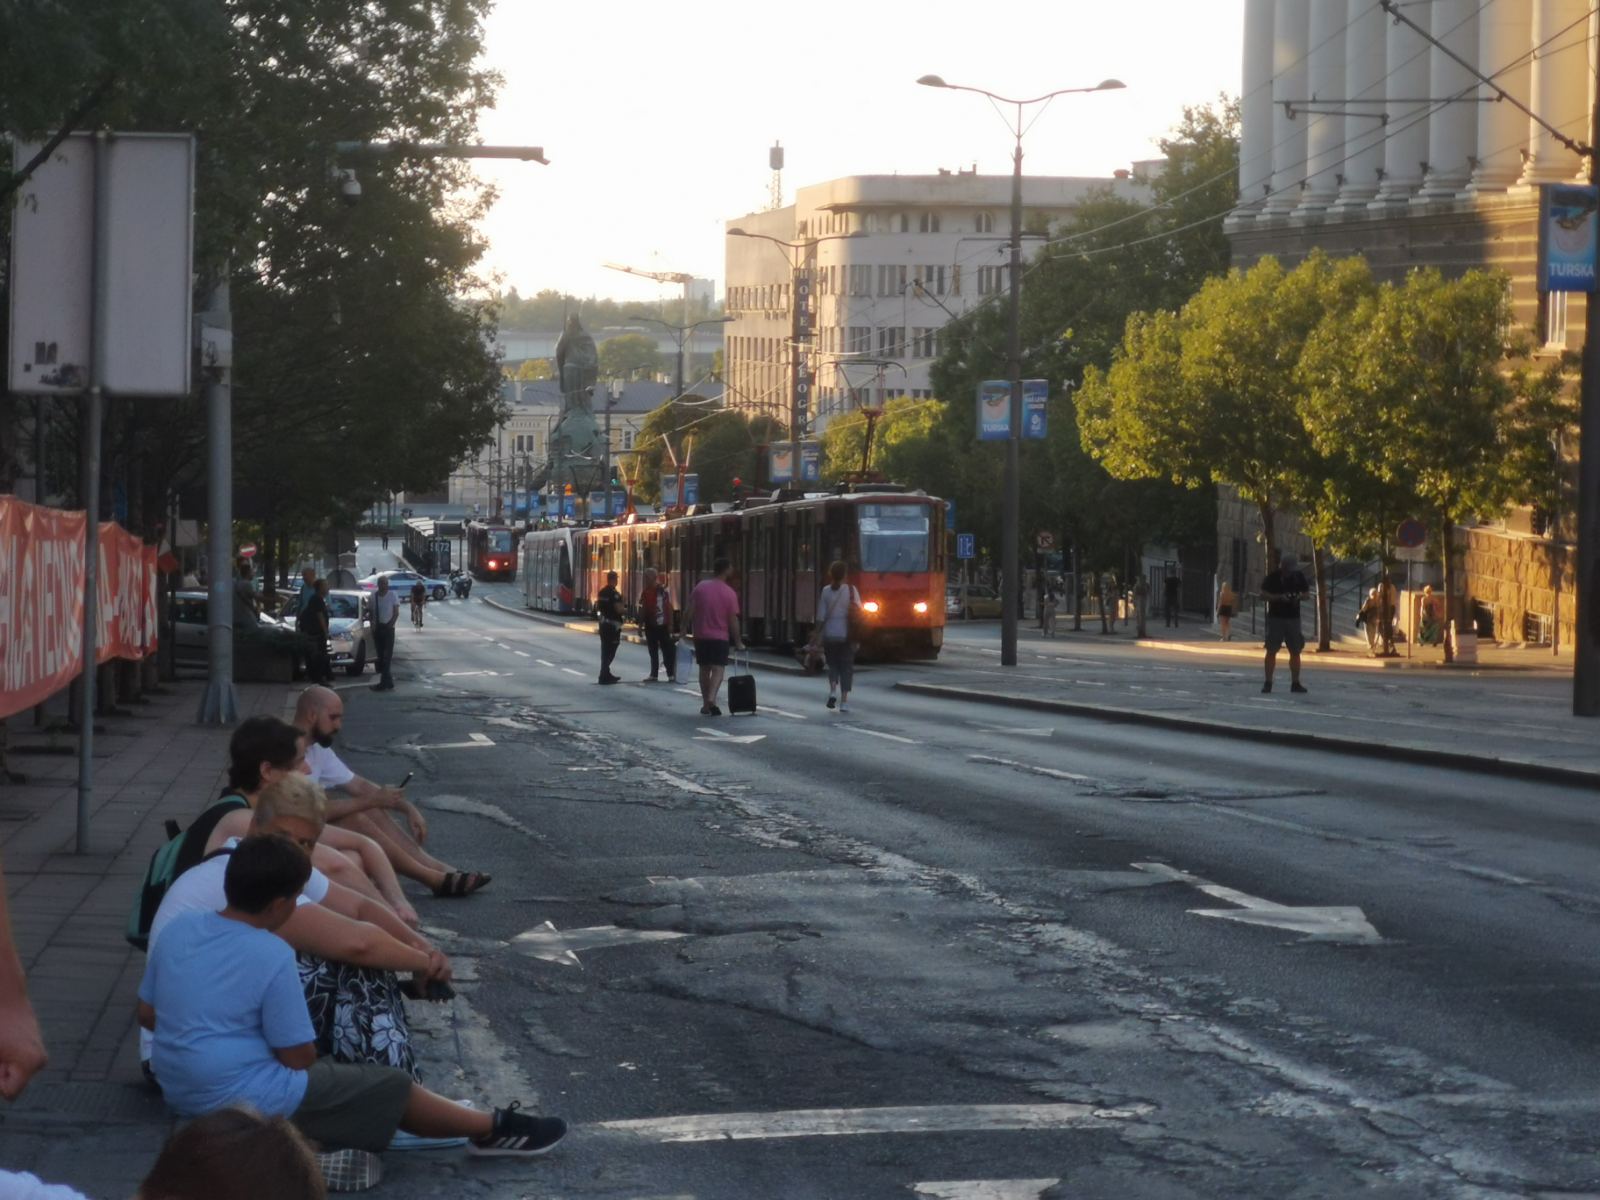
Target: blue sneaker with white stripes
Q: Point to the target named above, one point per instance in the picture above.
(518, 1133)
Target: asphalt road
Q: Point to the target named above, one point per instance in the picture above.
(933, 949)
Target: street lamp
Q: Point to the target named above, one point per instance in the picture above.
(680, 332)
(799, 326)
(1011, 509)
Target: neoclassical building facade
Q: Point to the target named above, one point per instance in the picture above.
(1361, 136)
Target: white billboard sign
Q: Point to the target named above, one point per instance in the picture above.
(147, 292)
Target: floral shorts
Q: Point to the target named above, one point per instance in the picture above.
(358, 1014)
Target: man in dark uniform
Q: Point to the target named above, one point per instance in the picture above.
(312, 622)
(608, 607)
(1283, 590)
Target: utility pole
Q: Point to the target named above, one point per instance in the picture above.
(1586, 643)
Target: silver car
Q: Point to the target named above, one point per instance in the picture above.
(191, 632)
(351, 642)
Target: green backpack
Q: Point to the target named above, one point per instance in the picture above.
(182, 849)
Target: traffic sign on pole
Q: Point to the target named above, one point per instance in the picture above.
(966, 545)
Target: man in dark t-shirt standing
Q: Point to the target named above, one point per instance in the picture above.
(1283, 590)
(312, 622)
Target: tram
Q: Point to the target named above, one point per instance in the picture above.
(491, 551)
(892, 541)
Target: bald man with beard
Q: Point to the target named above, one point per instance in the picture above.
(356, 803)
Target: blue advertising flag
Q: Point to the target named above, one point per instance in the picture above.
(1569, 230)
(994, 410)
(1035, 395)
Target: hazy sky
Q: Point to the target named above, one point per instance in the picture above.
(657, 117)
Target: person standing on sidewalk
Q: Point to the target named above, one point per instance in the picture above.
(1226, 602)
(713, 616)
(385, 617)
(1171, 593)
(1284, 589)
(608, 608)
(312, 622)
(655, 623)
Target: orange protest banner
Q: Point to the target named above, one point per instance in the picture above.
(41, 602)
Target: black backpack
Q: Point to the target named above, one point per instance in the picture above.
(183, 849)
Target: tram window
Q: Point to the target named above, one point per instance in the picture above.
(894, 537)
(499, 541)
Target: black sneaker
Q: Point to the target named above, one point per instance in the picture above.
(518, 1133)
(833, 701)
(1266, 687)
(1295, 687)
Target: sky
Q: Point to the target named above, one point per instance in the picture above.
(657, 118)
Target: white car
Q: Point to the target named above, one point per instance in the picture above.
(351, 642)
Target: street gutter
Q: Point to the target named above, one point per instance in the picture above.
(1514, 768)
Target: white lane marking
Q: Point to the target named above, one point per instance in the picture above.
(834, 1122)
(460, 674)
(1319, 923)
(570, 671)
(689, 691)
(475, 741)
(708, 734)
(550, 944)
(1069, 776)
(502, 646)
(522, 654)
(781, 712)
(984, 1189)
(1039, 733)
(477, 808)
(892, 737)
(544, 662)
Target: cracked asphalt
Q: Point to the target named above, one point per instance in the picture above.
(907, 951)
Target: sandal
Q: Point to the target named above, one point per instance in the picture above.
(434, 989)
(461, 883)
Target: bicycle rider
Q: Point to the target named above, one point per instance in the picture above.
(419, 597)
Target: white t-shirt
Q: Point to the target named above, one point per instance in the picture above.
(199, 889)
(327, 768)
(834, 604)
(386, 607)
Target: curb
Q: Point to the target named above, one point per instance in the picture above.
(1514, 768)
(589, 627)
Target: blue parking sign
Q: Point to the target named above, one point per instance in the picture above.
(966, 545)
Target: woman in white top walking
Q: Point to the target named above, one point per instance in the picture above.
(834, 608)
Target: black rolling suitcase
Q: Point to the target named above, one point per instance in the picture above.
(742, 689)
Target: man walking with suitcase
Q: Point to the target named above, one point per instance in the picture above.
(713, 616)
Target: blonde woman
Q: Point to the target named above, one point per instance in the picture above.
(838, 601)
(1226, 603)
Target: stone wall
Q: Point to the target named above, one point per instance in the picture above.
(1516, 575)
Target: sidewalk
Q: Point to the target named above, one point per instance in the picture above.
(1511, 716)
(87, 1119)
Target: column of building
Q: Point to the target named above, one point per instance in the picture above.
(1291, 42)
(1503, 55)
(1453, 89)
(1365, 91)
(1325, 128)
(1405, 148)
(1255, 112)
(1562, 88)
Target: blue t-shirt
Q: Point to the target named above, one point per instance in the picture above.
(226, 995)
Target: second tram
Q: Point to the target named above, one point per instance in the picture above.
(491, 551)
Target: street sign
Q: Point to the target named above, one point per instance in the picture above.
(248, 550)
(966, 545)
(1411, 533)
(1044, 541)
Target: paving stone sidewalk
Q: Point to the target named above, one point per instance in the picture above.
(87, 1120)
(1511, 715)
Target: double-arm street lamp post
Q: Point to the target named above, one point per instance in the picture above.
(1010, 519)
(800, 329)
(681, 333)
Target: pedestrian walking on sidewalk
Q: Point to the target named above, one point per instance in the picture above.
(1369, 618)
(608, 608)
(1171, 594)
(385, 619)
(1226, 603)
(1284, 589)
(385, 539)
(837, 604)
(1047, 616)
(655, 624)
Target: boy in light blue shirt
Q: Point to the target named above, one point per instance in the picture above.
(222, 995)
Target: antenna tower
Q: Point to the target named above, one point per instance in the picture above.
(775, 161)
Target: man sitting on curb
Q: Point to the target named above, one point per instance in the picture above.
(318, 714)
(222, 995)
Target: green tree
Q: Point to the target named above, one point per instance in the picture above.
(628, 354)
(533, 370)
(719, 444)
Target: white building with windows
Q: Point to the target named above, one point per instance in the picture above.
(891, 259)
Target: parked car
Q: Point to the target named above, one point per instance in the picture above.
(403, 581)
(971, 600)
(351, 642)
(191, 633)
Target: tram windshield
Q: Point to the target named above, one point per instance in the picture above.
(894, 537)
(499, 541)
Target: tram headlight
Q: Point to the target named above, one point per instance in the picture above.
(920, 608)
(493, 564)
(870, 606)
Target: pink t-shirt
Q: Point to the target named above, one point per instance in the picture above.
(715, 606)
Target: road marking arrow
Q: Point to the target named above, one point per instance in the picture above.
(708, 734)
(1318, 923)
(476, 741)
(834, 1122)
(550, 944)
(984, 1189)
